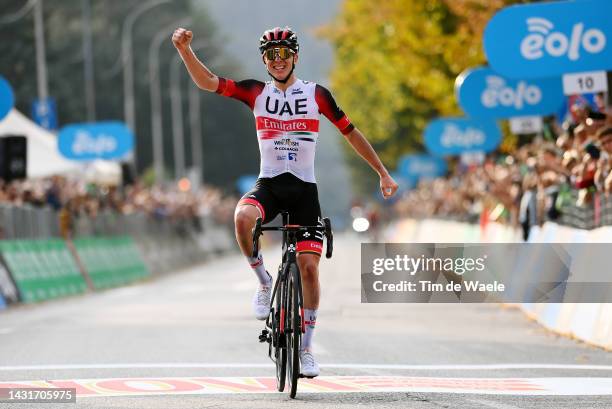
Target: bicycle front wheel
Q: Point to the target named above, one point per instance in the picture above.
(279, 341)
(293, 329)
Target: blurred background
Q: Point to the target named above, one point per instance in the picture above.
(391, 67)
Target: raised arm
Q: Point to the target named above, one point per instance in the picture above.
(200, 74)
(329, 108)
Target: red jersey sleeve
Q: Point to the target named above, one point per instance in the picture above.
(329, 108)
(245, 91)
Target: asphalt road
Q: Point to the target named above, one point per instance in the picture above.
(188, 340)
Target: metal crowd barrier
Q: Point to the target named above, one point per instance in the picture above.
(597, 213)
(28, 222)
(166, 244)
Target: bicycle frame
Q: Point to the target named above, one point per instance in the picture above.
(276, 332)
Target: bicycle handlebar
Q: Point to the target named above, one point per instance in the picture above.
(326, 229)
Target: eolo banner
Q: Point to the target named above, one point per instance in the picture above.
(482, 93)
(550, 38)
(454, 136)
(7, 98)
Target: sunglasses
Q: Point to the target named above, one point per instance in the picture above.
(282, 52)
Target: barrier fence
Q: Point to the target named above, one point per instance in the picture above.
(597, 213)
(591, 323)
(104, 251)
(42, 269)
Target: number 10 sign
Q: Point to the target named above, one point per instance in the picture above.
(585, 83)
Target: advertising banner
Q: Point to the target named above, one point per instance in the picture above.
(454, 136)
(550, 38)
(44, 113)
(7, 98)
(111, 261)
(100, 140)
(482, 93)
(42, 269)
(419, 166)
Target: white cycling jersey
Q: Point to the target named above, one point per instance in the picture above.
(287, 122)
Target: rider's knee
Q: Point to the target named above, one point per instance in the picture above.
(310, 270)
(244, 220)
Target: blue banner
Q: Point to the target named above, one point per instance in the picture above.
(453, 136)
(404, 182)
(7, 98)
(245, 183)
(44, 113)
(419, 166)
(550, 39)
(484, 94)
(99, 140)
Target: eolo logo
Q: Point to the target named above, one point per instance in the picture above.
(498, 93)
(454, 136)
(557, 44)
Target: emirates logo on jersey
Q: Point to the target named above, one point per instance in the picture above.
(307, 125)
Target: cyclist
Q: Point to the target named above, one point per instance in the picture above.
(286, 111)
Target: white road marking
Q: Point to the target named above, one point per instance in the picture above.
(200, 365)
(328, 384)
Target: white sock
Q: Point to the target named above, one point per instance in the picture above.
(310, 320)
(258, 267)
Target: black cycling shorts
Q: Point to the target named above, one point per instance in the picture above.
(286, 192)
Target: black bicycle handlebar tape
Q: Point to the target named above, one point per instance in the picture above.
(256, 234)
(330, 237)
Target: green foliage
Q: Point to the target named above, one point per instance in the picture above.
(395, 66)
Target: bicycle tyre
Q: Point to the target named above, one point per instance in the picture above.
(280, 350)
(293, 329)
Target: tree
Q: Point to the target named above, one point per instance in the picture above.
(396, 64)
(63, 31)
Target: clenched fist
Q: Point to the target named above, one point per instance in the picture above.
(181, 38)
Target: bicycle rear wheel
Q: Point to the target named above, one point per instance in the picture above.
(293, 329)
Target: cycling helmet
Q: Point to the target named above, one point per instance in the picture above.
(279, 36)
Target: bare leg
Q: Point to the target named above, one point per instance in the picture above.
(244, 220)
(309, 268)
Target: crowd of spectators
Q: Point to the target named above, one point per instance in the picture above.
(74, 199)
(533, 184)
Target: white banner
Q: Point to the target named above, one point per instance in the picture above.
(522, 125)
(585, 83)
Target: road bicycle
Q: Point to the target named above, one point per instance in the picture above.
(285, 323)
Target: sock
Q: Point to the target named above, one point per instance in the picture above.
(257, 265)
(310, 320)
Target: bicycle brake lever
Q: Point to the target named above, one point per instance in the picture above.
(330, 237)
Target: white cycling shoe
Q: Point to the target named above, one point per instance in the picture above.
(308, 366)
(261, 301)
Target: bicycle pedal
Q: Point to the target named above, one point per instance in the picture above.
(264, 336)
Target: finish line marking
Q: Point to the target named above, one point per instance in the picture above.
(325, 384)
(179, 365)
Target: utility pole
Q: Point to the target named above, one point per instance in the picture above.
(90, 94)
(196, 132)
(129, 109)
(156, 102)
(41, 62)
(176, 100)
